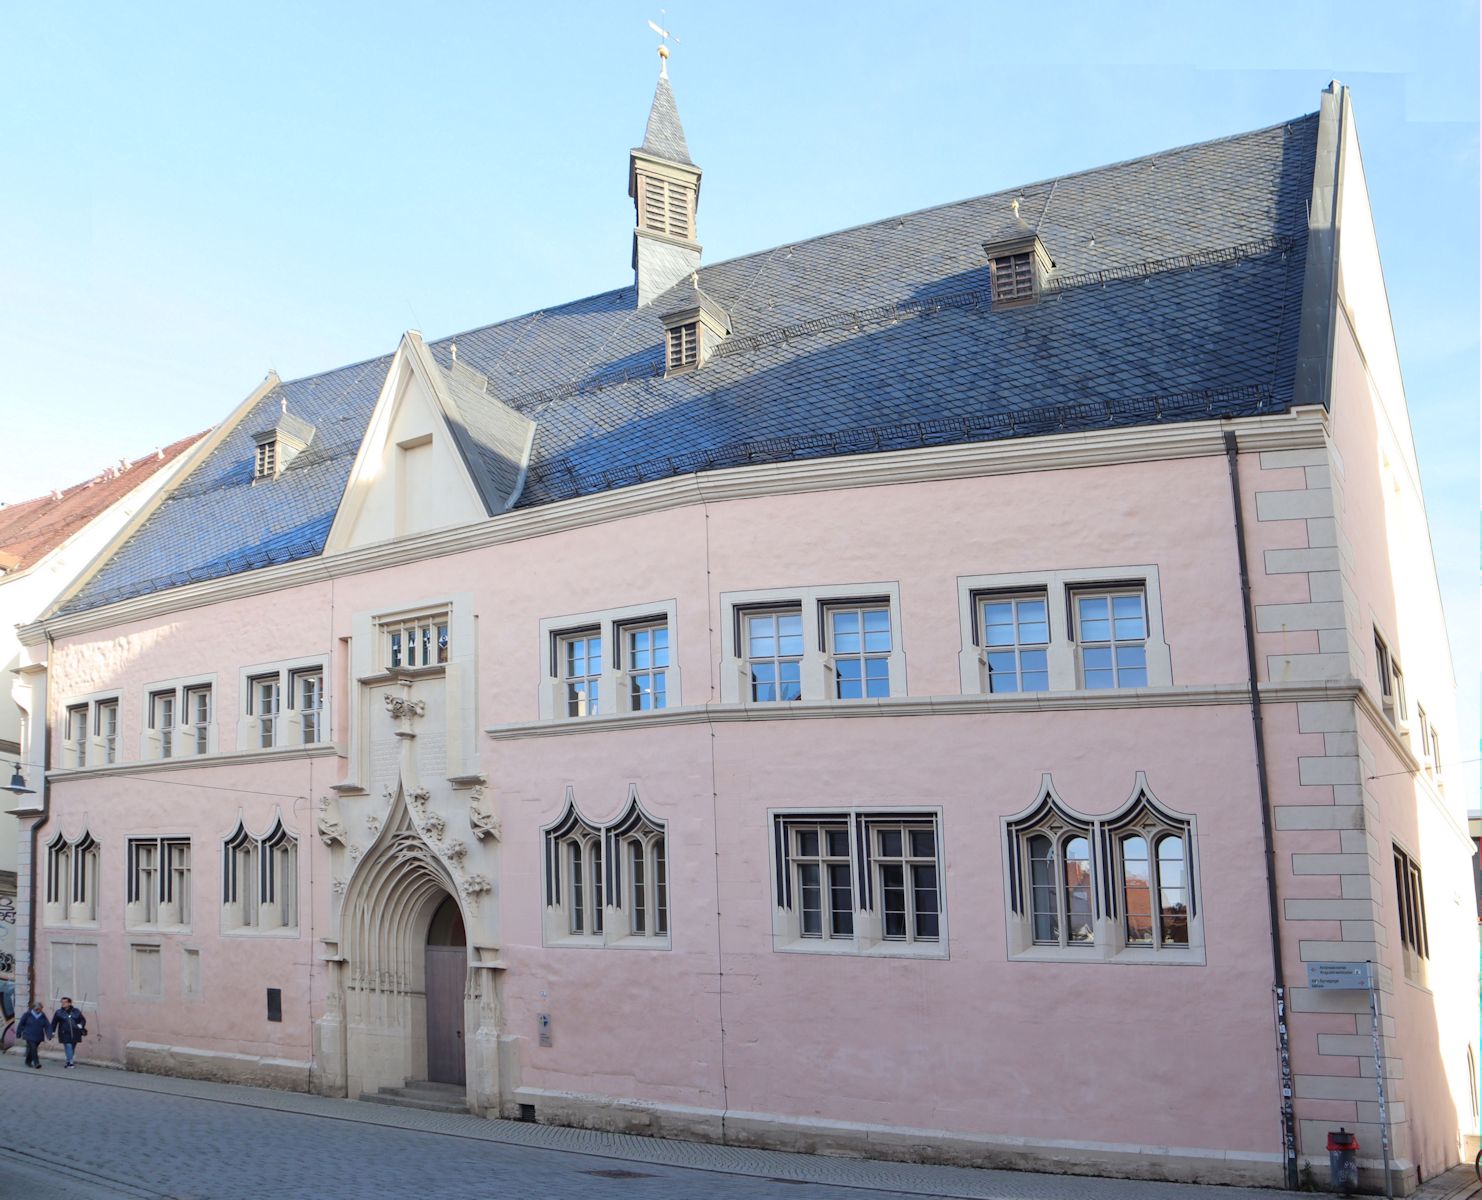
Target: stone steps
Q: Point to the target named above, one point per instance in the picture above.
(419, 1093)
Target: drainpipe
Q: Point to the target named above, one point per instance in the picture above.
(44, 792)
(1258, 732)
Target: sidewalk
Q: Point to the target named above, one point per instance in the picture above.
(957, 1183)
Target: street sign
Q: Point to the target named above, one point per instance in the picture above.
(1339, 976)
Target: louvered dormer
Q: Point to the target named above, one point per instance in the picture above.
(277, 447)
(694, 326)
(665, 187)
(1017, 269)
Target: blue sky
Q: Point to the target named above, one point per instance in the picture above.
(192, 194)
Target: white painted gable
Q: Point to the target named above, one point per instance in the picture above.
(410, 475)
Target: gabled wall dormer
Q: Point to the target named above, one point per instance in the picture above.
(278, 446)
(440, 450)
(665, 187)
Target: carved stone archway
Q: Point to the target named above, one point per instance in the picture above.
(376, 1011)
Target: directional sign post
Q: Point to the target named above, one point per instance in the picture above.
(1359, 977)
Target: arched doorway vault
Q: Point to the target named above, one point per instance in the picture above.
(375, 1030)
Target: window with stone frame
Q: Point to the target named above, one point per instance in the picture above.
(638, 871)
(859, 646)
(89, 734)
(1415, 949)
(579, 666)
(259, 881)
(1391, 681)
(610, 662)
(180, 720)
(859, 881)
(574, 878)
(1083, 888)
(1111, 632)
(1151, 856)
(264, 699)
(1057, 879)
(198, 718)
(414, 642)
(284, 705)
(607, 884)
(157, 879)
(1013, 632)
(105, 726)
(306, 699)
(772, 641)
(162, 721)
(645, 663)
(75, 738)
(1062, 630)
(71, 881)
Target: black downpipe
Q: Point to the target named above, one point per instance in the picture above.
(1258, 730)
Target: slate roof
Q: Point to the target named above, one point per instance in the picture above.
(32, 529)
(1175, 295)
(664, 136)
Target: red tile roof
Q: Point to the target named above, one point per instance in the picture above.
(33, 528)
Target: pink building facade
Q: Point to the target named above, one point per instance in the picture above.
(904, 793)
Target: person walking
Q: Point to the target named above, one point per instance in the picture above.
(70, 1026)
(33, 1030)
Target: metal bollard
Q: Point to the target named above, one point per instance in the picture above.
(1343, 1161)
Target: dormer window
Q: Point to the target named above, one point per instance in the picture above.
(684, 346)
(1013, 278)
(1017, 270)
(267, 460)
(693, 329)
(277, 447)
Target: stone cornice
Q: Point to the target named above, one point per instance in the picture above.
(1298, 429)
(155, 766)
(900, 706)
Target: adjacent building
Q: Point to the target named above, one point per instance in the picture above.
(46, 544)
(927, 691)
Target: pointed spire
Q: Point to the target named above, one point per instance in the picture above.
(664, 137)
(664, 183)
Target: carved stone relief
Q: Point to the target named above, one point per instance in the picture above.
(481, 818)
(331, 824)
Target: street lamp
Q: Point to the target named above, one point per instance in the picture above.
(17, 785)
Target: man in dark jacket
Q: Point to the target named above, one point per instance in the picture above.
(33, 1029)
(70, 1026)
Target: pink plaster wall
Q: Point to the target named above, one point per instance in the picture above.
(1088, 1052)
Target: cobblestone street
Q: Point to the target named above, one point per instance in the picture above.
(107, 1133)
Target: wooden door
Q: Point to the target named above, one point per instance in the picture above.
(447, 968)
